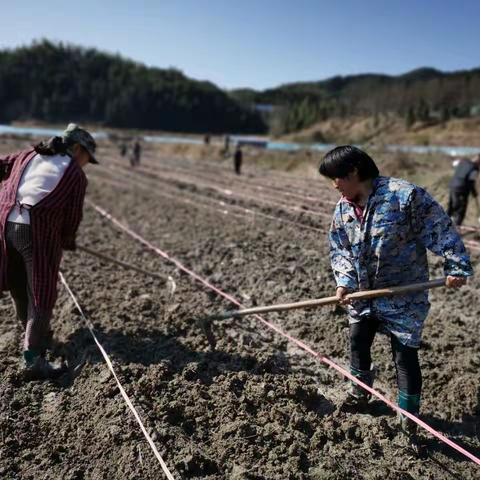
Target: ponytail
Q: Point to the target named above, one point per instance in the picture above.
(52, 146)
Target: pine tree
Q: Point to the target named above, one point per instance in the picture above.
(410, 118)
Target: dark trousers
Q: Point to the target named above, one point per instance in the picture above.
(409, 376)
(457, 206)
(238, 165)
(35, 320)
(135, 160)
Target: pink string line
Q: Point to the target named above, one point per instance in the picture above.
(469, 228)
(120, 387)
(235, 194)
(302, 345)
(225, 207)
(214, 174)
(472, 244)
(475, 246)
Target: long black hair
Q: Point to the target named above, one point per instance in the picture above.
(341, 161)
(52, 146)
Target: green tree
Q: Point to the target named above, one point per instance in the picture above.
(410, 117)
(423, 111)
(445, 114)
(60, 83)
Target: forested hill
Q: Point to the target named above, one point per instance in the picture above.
(422, 95)
(60, 83)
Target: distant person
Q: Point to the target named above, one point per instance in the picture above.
(461, 186)
(137, 153)
(380, 233)
(226, 146)
(238, 159)
(123, 150)
(206, 139)
(41, 205)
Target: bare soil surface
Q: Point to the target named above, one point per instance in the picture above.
(256, 408)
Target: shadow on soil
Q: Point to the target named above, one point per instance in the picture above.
(469, 427)
(150, 347)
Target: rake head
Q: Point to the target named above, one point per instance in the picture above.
(206, 325)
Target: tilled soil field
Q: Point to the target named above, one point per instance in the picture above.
(258, 407)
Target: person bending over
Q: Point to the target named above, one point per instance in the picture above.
(41, 206)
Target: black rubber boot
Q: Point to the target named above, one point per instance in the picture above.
(357, 396)
(37, 368)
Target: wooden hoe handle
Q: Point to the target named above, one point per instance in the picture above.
(384, 292)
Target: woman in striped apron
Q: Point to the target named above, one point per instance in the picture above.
(41, 205)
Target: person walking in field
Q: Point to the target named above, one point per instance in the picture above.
(123, 149)
(41, 205)
(237, 160)
(461, 186)
(226, 146)
(136, 154)
(380, 233)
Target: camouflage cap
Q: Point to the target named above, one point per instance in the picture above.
(77, 134)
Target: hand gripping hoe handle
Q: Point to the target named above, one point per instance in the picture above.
(206, 323)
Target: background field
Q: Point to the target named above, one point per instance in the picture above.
(258, 407)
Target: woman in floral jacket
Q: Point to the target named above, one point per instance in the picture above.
(380, 233)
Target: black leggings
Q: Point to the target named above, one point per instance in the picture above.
(457, 206)
(35, 320)
(409, 376)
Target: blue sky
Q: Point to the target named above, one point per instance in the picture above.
(259, 43)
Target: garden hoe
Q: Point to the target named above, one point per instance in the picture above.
(206, 323)
(120, 263)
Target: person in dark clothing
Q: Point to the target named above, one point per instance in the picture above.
(461, 185)
(123, 150)
(137, 152)
(226, 146)
(237, 160)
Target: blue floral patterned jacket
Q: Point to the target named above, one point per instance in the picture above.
(388, 248)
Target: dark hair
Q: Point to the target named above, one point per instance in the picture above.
(52, 146)
(341, 161)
